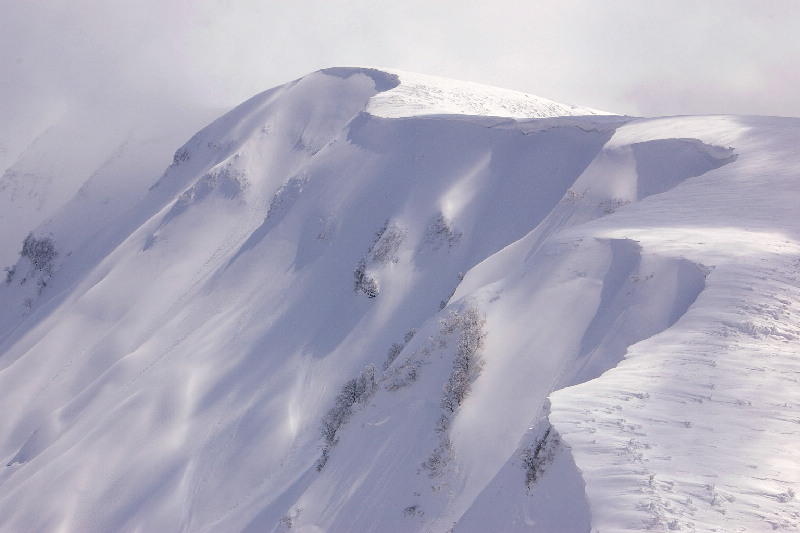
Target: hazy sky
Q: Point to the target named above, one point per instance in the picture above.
(636, 57)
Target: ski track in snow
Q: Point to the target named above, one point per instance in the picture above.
(636, 284)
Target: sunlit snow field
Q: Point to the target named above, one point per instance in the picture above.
(368, 300)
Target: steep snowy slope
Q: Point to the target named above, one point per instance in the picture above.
(71, 159)
(356, 303)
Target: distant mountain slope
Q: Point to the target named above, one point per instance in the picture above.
(96, 157)
(375, 301)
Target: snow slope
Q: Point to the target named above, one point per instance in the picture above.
(375, 301)
(71, 159)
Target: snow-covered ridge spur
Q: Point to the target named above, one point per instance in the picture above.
(324, 318)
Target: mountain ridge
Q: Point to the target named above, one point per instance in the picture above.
(482, 312)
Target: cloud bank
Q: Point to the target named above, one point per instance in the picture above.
(645, 58)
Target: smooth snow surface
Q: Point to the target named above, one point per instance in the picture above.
(569, 323)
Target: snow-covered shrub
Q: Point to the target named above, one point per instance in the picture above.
(611, 206)
(387, 243)
(440, 231)
(397, 347)
(288, 520)
(572, 196)
(406, 373)
(356, 391)
(437, 460)
(181, 155)
(10, 273)
(536, 457)
(413, 510)
(382, 250)
(285, 197)
(40, 252)
(226, 181)
(363, 282)
(370, 287)
(391, 355)
(359, 389)
(467, 364)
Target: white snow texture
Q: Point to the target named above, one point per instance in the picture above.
(375, 301)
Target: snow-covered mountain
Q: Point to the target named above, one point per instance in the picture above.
(368, 300)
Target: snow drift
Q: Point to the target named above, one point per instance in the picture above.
(374, 301)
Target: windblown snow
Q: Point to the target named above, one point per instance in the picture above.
(417, 94)
(368, 300)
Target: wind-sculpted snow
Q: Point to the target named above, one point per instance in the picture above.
(694, 429)
(416, 95)
(324, 318)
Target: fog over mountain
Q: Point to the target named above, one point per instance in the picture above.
(370, 299)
